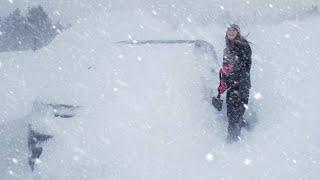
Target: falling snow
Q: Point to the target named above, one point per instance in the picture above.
(126, 92)
(287, 36)
(154, 12)
(247, 162)
(257, 95)
(14, 160)
(209, 157)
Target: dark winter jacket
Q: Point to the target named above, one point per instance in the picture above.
(238, 55)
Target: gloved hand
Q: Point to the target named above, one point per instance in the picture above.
(222, 86)
(226, 69)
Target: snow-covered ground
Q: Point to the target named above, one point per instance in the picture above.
(145, 110)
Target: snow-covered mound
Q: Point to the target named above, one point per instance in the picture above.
(144, 110)
(135, 102)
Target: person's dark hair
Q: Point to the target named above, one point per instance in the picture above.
(239, 37)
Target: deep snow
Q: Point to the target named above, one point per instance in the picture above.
(145, 110)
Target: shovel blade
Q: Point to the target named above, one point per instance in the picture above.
(217, 103)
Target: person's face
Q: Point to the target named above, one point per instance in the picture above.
(231, 33)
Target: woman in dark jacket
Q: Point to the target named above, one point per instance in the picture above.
(235, 79)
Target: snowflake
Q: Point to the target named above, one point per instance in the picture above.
(287, 36)
(257, 95)
(247, 162)
(14, 160)
(154, 12)
(209, 157)
(76, 158)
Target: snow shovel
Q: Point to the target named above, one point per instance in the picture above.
(217, 102)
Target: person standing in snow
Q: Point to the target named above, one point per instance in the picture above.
(235, 79)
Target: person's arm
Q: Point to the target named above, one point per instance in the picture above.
(224, 72)
(246, 56)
